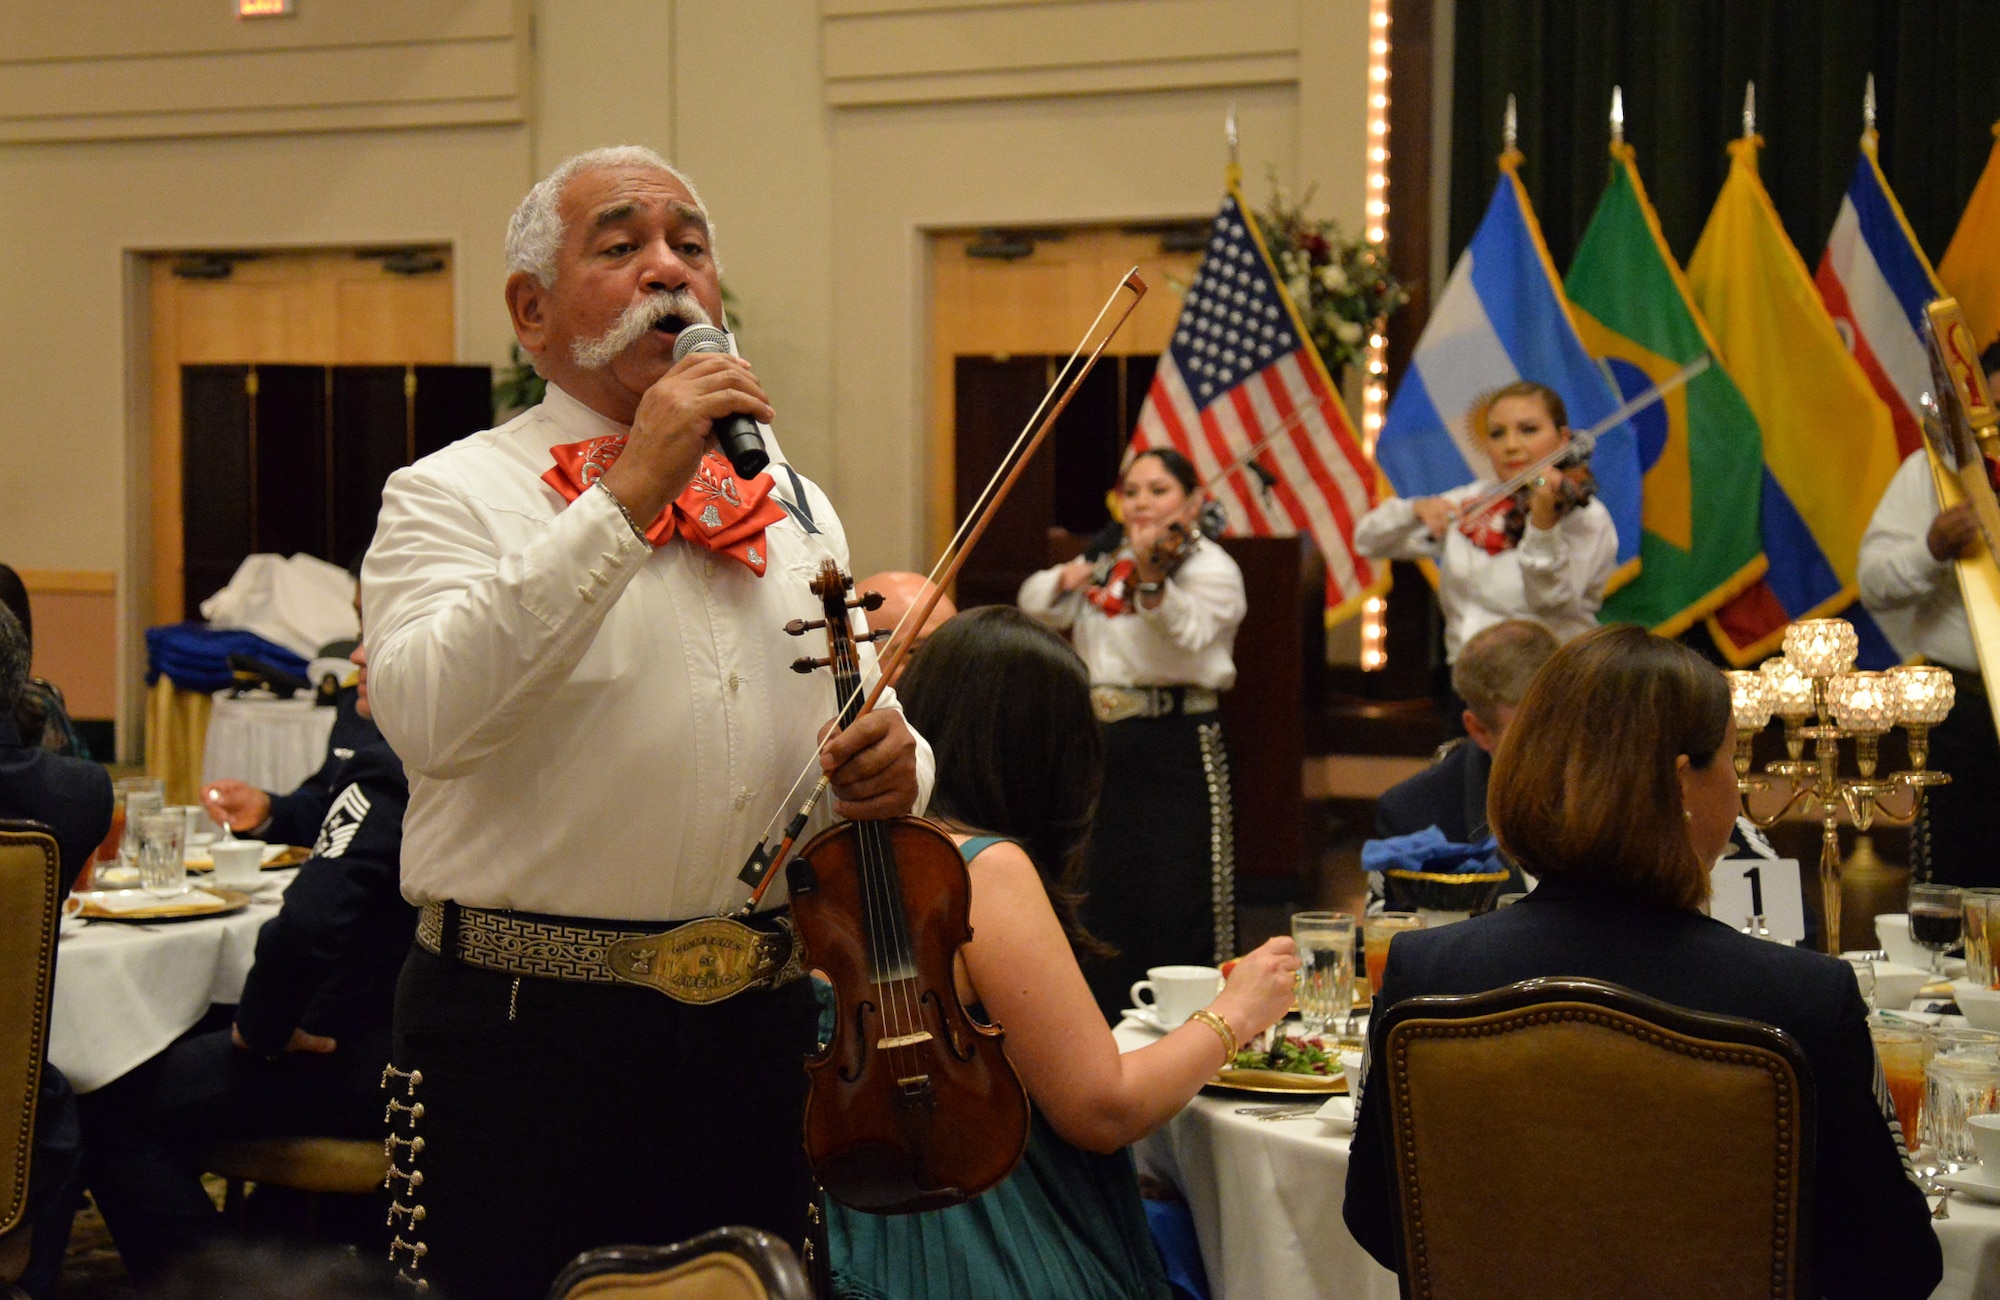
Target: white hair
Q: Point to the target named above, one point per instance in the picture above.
(535, 232)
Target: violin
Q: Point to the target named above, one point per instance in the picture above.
(913, 1105)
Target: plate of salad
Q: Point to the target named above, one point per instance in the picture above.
(1305, 1063)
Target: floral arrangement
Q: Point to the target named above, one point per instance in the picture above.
(1342, 287)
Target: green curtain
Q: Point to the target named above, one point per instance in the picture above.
(1683, 65)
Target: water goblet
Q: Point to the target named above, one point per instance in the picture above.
(1937, 919)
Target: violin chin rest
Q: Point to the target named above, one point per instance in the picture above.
(879, 1178)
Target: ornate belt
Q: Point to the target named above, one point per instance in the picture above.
(698, 962)
(1117, 703)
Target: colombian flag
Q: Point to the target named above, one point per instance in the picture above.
(1634, 311)
(1971, 265)
(1829, 445)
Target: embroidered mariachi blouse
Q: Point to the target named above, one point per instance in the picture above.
(1186, 641)
(1555, 576)
(593, 727)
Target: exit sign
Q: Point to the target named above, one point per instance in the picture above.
(263, 8)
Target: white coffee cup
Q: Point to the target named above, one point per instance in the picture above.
(1892, 931)
(237, 862)
(1177, 991)
(1985, 1131)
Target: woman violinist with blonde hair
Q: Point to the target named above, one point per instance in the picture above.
(1544, 555)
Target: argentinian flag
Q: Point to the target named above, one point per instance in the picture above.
(1502, 317)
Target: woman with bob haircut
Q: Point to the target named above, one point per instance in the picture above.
(1615, 786)
(1005, 704)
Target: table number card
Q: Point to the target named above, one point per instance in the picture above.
(1740, 885)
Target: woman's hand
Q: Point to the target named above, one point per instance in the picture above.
(1260, 988)
(1074, 574)
(1542, 499)
(1145, 542)
(1435, 513)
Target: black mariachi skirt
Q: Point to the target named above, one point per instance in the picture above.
(1161, 874)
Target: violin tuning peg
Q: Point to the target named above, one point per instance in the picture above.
(883, 635)
(799, 626)
(808, 663)
(868, 600)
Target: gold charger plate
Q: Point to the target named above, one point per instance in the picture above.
(227, 901)
(292, 856)
(1279, 1081)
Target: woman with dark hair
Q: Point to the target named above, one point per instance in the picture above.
(1006, 707)
(1544, 554)
(1157, 632)
(1615, 786)
(40, 716)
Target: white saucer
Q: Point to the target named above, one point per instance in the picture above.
(1147, 1018)
(1970, 1182)
(258, 885)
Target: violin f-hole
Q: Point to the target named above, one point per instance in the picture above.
(959, 1048)
(858, 1062)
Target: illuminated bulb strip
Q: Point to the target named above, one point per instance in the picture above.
(1374, 394)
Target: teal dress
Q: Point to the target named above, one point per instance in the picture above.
(1067, 1224)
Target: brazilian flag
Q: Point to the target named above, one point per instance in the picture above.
(1699, 448)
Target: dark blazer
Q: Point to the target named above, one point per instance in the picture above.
(295, 816)
(1871, 1233)
(72, 795)
(1450, 794)
(327, 962)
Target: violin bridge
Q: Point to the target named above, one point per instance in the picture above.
(914, 1084)
(903, 1040)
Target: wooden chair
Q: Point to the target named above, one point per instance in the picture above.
(1568, 1137)
(726, 1264)
(30, 868)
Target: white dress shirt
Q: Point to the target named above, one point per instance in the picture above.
(593, 727)
(1913, 595)
(1554, 576)
(1185, 640)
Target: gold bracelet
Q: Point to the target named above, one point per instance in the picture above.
(1222, 1031)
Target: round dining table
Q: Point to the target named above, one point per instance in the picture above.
(1266, 1197)
(271, 744)
(124, 990)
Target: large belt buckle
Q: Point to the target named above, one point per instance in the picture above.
(703, 961)
(1117, 703)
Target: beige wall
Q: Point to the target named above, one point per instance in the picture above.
(827, 139)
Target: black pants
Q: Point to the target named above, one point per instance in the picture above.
(1955, 838)
(1160, 879)
(558, 1116)
(144, 1133)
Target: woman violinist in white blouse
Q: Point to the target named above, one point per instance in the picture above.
(1156, 623)
(1545, 554)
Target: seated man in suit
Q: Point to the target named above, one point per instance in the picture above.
(71, 796)
(306, 1051)
(1491, 676)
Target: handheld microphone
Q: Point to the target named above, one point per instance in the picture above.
(736, 434)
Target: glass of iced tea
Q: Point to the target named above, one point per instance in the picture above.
(1904, 1052)
(1376, 932)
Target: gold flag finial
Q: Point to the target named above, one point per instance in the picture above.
(1868, 106)
(1235, 169)
(1749, 109)
(1617, 115)
(1509, 127)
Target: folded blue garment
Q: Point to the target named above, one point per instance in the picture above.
(1429, 850)
(195, 656)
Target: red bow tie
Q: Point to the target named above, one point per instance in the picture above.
(716, 511)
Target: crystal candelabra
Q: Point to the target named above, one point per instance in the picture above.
(1815, 691)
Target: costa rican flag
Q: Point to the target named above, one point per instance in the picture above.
(1875, 281)
(1239, 367)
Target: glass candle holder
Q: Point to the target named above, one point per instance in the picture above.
(1864, 705)
(1822, 647)
(1924, 693)
(1750, 700)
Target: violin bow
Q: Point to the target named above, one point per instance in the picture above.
(1582, 444)
(1209, 490)
(761, 868)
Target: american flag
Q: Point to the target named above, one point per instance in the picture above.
(1239, 367)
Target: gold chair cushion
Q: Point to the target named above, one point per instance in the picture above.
(28, 876)
(1573, 1150)
(350, 1166)
(719, 1276)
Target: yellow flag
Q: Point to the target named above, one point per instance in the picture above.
(1829, 444)
(1971, 266)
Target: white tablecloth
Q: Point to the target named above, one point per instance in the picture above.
(1266, 1198)
(272, 744)
(124, 991)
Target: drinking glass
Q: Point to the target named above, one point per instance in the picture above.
(1904, 1052)
(139, 802)
(1957, 1087)
(1937, 918)
(1376, 932)
(1864, 977)
(1982, 927)
(161, 848)
(1326, 968)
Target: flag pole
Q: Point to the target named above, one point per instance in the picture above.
(1749, 109)
(1868, 135)
(1230, 139)
(1617, 115)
